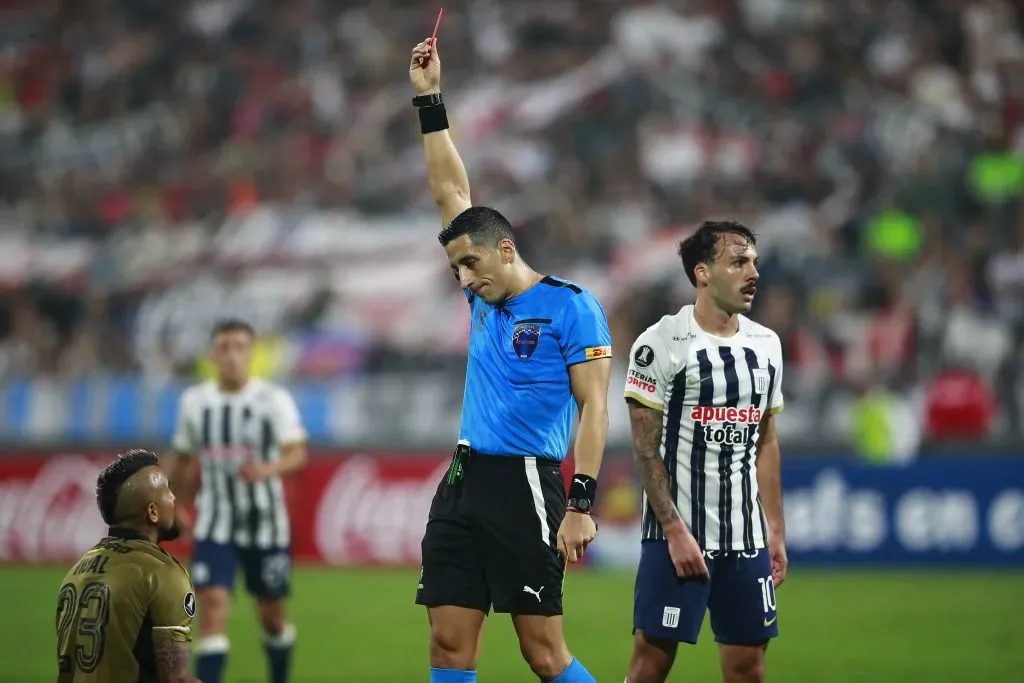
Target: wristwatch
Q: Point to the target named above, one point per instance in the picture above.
(431, 100)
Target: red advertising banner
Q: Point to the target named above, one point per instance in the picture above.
(346, 509)
(363, 510)
(48, 507)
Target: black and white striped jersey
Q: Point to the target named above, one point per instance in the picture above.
(224, 430)
(713, 393)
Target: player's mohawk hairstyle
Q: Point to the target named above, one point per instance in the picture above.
(108, 484)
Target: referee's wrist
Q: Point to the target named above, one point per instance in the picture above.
(582, 492)
(431, 112)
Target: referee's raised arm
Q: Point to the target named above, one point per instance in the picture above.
(445, 169)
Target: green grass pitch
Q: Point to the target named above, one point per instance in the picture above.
(836, 627)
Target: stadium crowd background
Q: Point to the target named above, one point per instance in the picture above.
(162, 164)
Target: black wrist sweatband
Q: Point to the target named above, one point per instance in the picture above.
(581, 494)
(433, 117)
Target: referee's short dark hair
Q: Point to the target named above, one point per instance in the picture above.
(482, 224)
(700, 246)
(232, 325)
(111, 479)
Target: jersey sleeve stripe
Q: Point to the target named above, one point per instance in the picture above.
(776, 409)
(644, 401)
(174, 629)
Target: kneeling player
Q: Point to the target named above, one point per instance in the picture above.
(124, 611)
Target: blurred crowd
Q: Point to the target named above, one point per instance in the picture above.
(875, 146)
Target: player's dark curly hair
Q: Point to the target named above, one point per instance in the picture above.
(700, 246)
(482, 224)
(108, 484)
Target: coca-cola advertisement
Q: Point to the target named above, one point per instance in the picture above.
(363, 509)
(347, 509)
(48, 507)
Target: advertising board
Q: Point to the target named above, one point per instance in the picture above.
(360, 509)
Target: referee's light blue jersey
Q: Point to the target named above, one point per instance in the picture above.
(518, 401)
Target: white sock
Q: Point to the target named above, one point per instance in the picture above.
(284, 639)
(211, 645)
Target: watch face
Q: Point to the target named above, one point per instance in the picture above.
(582, 504)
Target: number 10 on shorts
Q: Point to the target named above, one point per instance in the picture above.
(767, 594)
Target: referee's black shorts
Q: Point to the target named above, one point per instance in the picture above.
(491, 540)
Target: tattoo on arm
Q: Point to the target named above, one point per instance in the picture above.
(172, 659)
(646, 427)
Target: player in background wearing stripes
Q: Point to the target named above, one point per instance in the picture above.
(703, 388)
(243, 434)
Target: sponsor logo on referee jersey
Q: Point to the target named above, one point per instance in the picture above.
(597, 352)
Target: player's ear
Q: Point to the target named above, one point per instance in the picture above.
(702, 273)
(152, 513)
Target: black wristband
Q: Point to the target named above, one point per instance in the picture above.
(581, 494)
(433, 118)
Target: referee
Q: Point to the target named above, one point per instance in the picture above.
(500, 528)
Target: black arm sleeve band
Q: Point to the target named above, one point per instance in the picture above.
(433, 119)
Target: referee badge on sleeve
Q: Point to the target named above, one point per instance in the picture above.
(525, 337)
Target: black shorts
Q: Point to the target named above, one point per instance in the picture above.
(491, 540)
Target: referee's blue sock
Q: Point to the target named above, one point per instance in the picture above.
(452, 676)
(211, 656)
(279, 653)
(575, 673)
